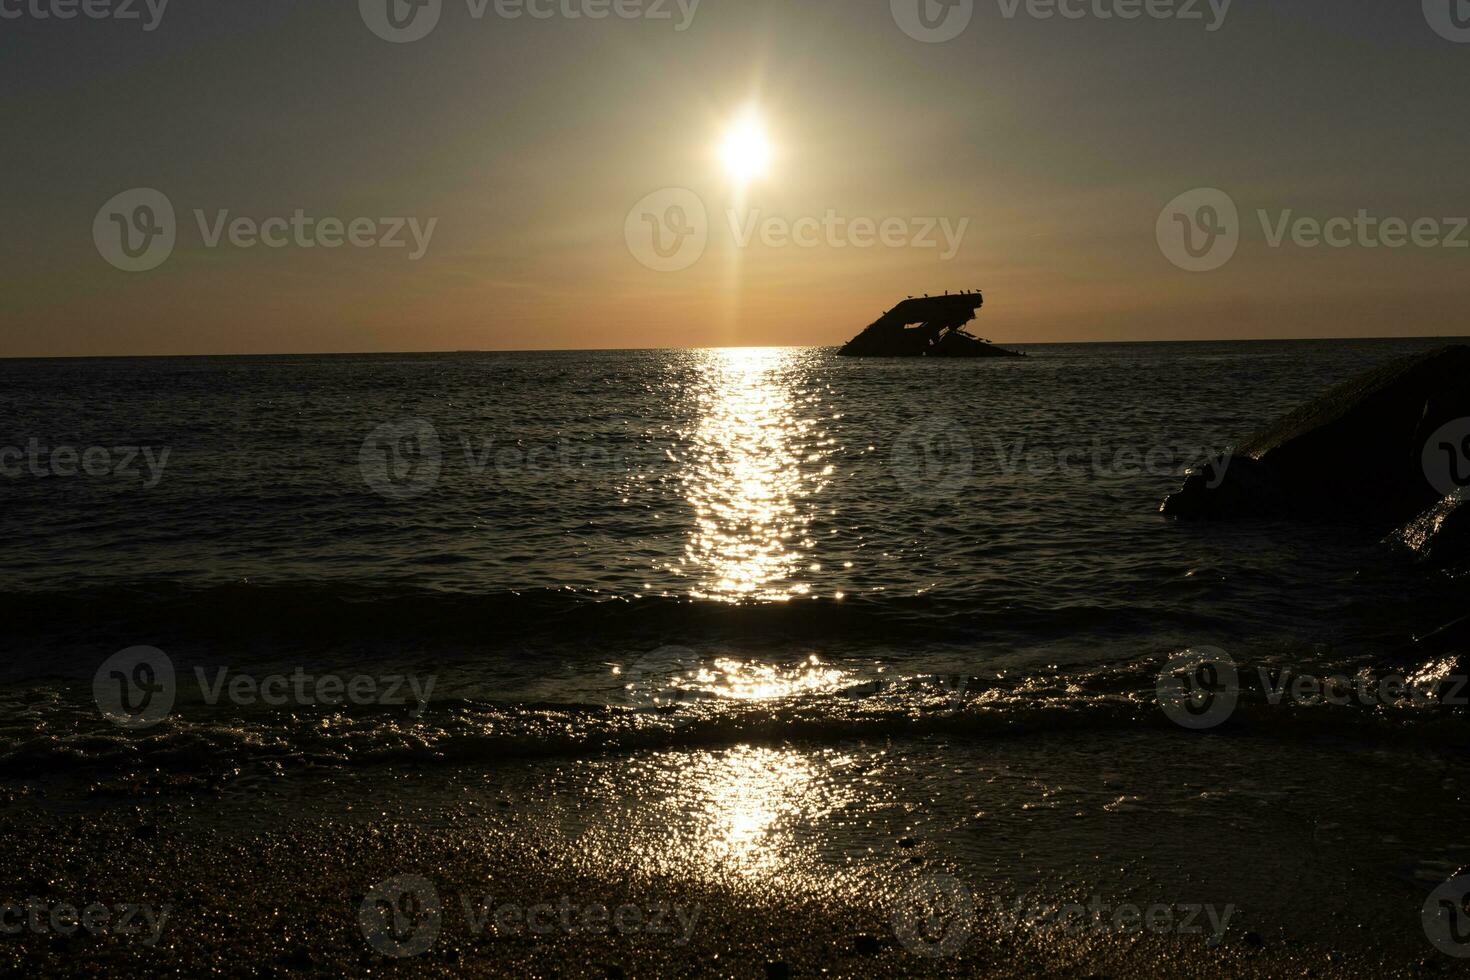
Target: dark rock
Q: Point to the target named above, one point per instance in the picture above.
(1359, 451)
(1440, 535)
(1253, 939)
(906, 842)
(778, 970)
(1229, 486)
(931, 326)
(868, 945)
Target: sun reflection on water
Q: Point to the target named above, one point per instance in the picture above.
(750, 681)
(679, 677)
(752, 797)
(743, 816)
(757, 459)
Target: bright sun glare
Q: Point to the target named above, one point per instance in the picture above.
(745, 150)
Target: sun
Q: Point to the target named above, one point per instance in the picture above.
(745, 150)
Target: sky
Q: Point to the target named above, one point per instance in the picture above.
(558, 181)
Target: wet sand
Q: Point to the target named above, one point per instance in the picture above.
(744, 861)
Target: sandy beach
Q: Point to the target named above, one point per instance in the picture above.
(767, 869)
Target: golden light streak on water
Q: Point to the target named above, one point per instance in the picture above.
(756, 462)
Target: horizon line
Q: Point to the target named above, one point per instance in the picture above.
(588, 350)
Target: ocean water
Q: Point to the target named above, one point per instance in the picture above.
(597, 551)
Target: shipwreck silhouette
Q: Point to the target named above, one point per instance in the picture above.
(930, 326)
